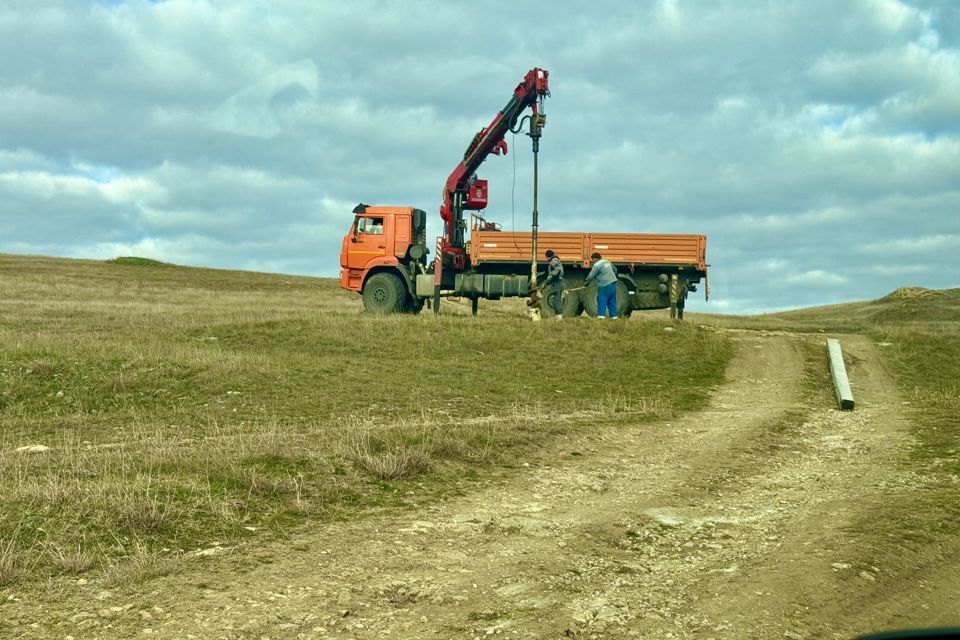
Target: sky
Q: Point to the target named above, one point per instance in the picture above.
(815, 143)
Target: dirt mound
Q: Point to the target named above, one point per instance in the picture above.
(910, 293)
(913, 304)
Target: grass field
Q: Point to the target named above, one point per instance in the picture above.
(186, 409)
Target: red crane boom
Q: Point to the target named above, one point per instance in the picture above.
(462, 190)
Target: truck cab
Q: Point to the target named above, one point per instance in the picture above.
(381, 255)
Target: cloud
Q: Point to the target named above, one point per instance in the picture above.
(257, 109)
(913, 246)
(816, 277)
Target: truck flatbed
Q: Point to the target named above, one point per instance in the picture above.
(675, 250)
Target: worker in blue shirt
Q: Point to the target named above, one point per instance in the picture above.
(605, 275)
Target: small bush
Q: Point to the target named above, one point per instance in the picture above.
(146, 514)
(389, 463)
(71, 560)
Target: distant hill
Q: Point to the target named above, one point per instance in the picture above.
(905, 305)
(145, 272)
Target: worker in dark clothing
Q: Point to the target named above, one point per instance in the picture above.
(605, 275)
(553, 285)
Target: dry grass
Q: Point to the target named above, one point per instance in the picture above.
(389, 463)
(9, 561)
(189, 405)
(71, 560)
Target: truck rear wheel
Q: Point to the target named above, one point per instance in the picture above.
(572, 304)
(588, 298)
(384, 293)
(624, 307)
(650, 300)
(624, 303)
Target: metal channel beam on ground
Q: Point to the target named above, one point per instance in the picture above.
(841, 384)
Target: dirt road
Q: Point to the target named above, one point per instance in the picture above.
(760, 517)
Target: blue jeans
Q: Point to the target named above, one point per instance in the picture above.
(607, 300)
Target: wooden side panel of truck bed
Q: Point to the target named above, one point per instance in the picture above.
(620, 248)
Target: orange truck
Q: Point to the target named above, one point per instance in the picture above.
(383, 258)
(384, 255)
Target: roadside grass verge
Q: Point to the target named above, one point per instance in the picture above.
(926, 363)
(188, 409)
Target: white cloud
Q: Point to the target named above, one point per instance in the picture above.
(136, 190)
(47, 185)
(253, 110)
(817, 277)
(925, 245)
(20, 159)
(899, 269)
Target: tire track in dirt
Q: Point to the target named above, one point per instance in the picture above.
(803, 565)
(731, 522)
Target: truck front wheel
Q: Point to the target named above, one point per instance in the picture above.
(384, 293)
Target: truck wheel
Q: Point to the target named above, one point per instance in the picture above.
(650, 300)
(546, 309)
(384, 293)
(572, 304)
(624, 304)
(588, 297)
(624, 307)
